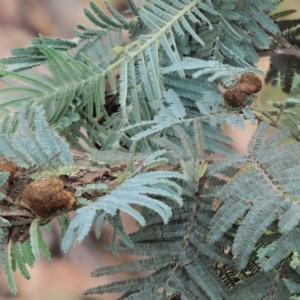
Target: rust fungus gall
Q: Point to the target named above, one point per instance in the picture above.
(47, 195)
(248, 84)
(8, 167)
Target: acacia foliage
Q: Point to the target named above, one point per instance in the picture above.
(209, 229)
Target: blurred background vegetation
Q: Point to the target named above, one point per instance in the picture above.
(68, 276)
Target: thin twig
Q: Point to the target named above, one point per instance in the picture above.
(190, 228)
(39, 167)
(276, 123)
(280, 113)
(282, 41)
(190, 261)
(285, 48)
(16, 202)
(15, 214)
(279, 51)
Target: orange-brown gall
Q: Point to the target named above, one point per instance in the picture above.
(8, 167)
(234, 98)
(47, 195)
(249, 84)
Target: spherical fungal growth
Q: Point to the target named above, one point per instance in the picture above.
(8, 167)
(47, 195)
(235, 99)
(248, 84)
